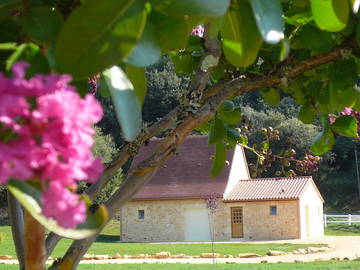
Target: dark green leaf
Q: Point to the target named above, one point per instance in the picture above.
(219, 160)
(358, 34)
(138, 80)
(30, 199)
(330, 15)
(343, 74)
(217, 131)
(41, 24)
(345, 125)
(241, 39)
(99, 34)
(316, 40)
(147, 51)
(233, 135)
(191, 7)
(268, 15)
(126, 102)
(306, 114)
(271, 96)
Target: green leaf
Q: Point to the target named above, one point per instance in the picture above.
(97, 35)
(241, 39)
(231, 117)
(41, 24)
(285, 49)
(165, 26)
(32, 54)
(330, 15)
(233, 135)
(138, 80)
(217, 131)
(325, 140)
(345, 125)
(268, 15)
(30, 199)
(191, 7)
(306, 114)
(126, 102)
(271, 96)
(343, 74)
(183, 63)
(205, 128)
(358, 34)
(147, 51)
(215, 26)
(219, 160)
(314, 39)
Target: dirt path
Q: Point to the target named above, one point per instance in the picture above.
(347, 247)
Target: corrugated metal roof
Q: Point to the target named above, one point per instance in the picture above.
(280, 188)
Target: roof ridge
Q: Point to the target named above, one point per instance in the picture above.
(275, 178)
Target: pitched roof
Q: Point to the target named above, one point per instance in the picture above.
(281, 188)
(186, 175)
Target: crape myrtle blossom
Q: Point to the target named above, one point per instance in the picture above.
(46, 136)
(198, 31)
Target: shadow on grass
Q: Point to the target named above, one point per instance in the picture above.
(105, 238)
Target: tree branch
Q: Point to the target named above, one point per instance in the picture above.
(213, 97)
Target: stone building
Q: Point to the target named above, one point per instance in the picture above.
(172, 207)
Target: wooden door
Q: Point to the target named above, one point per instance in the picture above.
(237, 222)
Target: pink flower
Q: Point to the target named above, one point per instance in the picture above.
(63, 206)
(198, 31)
(48, 129)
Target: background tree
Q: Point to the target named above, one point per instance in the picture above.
(284, 48)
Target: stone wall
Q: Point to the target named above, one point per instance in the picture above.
(165, 220)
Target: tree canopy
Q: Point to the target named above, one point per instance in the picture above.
(305, 50)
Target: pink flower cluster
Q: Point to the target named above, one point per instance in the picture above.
(198, 31)
(46, 136)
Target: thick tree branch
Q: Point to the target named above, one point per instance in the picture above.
(213, 97)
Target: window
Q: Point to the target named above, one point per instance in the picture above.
(273, 210)
(141, 214)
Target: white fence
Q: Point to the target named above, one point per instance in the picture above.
(349, 219)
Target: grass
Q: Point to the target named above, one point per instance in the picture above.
(342, 229)
(106, 243)
(330, 265)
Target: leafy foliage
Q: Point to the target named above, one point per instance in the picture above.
(85, 38)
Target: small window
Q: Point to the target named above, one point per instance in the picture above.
(141, 214)
(273, 210)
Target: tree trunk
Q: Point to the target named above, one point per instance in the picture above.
(17, 228)
(34, 244)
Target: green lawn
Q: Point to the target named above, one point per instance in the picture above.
(330, 265)
(107, 243)
(342, 229)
